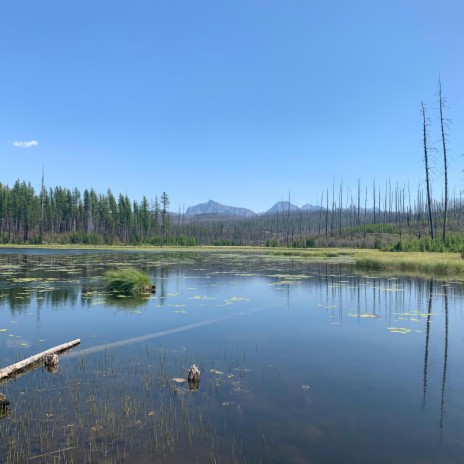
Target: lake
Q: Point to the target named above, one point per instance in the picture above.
(300, 362)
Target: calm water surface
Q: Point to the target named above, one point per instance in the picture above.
(301, 363)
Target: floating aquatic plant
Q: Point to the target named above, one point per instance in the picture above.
(128, 281)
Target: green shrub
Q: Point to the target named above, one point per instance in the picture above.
(399, 246)
(311, 242)
(378, 244)
(272, 242)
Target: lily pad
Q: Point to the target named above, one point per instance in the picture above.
(400, 330)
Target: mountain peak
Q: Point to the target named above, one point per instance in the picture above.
(282, 207)
(213, 207)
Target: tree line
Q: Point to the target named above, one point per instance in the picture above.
(371, 216)
(62, 215)
(381, 216)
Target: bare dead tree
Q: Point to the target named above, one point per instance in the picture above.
(332, 216)
(327, 212)
(373, 194)
(425, 124)
(409, 207)
(379, 203)
(43, 193)
(365, 214)
(340, 207)
(287, 231)
(443, 123)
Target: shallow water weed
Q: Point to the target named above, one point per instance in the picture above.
(97, 406)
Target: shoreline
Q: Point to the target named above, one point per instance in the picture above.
(429, 263)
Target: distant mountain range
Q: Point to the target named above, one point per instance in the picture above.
(214, 208)
(285, 206)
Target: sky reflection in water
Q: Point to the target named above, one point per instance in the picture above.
(325, 365)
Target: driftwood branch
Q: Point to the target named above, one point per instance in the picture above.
(25, 363)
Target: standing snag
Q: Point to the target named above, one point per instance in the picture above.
(442, 102)
(3, 401)
(427, 170)
(51, 362)
(194, 374)
(4, 406)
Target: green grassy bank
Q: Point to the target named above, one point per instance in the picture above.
(429, 263)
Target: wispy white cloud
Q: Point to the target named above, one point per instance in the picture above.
(22, 144)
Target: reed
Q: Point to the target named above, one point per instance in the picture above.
(118, 407)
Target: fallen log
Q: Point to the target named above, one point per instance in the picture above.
(25, 363)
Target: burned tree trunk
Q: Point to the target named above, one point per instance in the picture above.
(441, 102)
(427, 170)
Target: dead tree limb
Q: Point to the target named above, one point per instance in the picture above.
(25, 363)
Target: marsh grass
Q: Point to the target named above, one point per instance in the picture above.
(413, 263)
(128, 281)
(118, 407)
(447, 264)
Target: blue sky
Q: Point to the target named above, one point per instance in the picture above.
(240, 101)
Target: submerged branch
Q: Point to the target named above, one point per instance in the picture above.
(10, 371)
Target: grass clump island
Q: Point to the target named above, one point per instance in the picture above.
(128, 281)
